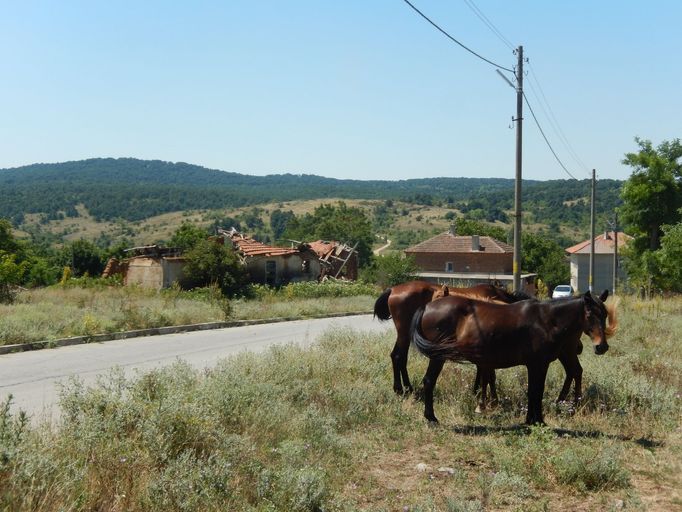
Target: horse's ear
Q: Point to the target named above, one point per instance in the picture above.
(604, 295)
(588, 296)
(445, 290)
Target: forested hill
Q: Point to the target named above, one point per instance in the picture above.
(136, 189)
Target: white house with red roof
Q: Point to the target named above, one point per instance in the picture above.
(603, 262)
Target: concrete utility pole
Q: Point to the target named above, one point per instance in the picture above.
(590, 284)
(519, 164)
(615, 253)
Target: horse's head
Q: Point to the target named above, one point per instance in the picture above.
(443, 291)
(596, 315)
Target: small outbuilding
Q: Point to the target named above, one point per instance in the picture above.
(148, 266)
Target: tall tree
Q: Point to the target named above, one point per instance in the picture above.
(652, 196)
(338, 222)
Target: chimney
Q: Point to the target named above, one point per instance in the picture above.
(452, 230)
(475, 243)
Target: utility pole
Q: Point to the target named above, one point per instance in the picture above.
(519, 164)
(615, 253)
(590, 283)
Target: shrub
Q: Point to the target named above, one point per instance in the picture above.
(209, 263)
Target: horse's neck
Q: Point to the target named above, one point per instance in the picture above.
(567, 315)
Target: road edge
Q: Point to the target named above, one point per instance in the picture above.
(155, 331)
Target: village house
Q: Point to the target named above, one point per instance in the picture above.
(466, 260)
(148, 266)
(604, 245)
(271, 265)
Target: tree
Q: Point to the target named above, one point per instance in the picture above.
(279, 221)
(11, 274)
(210, 263)
(652, 196)
(390, 270)
(546, 258)
(335, 222)
(187, 236)
(84, 257)
(670, 257)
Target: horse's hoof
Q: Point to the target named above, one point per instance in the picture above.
(398, 391)
(431, 419)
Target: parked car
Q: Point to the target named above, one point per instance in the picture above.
(562, 290)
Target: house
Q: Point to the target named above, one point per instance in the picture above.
(337, 260)
(466, 260)
(603, 262)
(271, 265)
(148, 266)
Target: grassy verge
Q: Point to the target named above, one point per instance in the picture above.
(320, 429)
(61, 312)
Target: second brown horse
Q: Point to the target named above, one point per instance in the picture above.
(530, 333)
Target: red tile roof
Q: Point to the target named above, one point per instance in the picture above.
(323, 248)
(250, 247)
(603, 244)
(447, 242)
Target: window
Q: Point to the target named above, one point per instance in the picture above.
(449, 267)
(271, 272)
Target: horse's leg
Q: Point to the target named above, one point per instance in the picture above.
(564, 359)
(429, 382)
(492, 378)
(537, 373)
(487, 376)
(396, 361)
(477, 380)
(578, 377)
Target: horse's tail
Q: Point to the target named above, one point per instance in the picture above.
(431, 349)
(381, 310)
(442, 348)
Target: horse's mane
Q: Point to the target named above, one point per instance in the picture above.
(612, 317)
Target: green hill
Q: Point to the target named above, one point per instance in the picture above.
(132, 189)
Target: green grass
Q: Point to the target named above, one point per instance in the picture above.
(94, 308)
(320, 429)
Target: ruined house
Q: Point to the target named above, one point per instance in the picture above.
(338, 260)
(271, 265)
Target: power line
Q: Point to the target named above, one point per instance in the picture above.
(455, 40)
(545, 137)
(488, 23)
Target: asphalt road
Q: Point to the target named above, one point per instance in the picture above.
(33, 377)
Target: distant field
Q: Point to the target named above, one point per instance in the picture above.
(320, 429)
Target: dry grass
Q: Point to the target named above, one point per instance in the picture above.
(58, 312)
(320, 429)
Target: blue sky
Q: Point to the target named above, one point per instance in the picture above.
(345, 89)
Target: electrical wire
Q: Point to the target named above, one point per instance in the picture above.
(552, 118)
(488, 23)
(545, 137)
(455, 40)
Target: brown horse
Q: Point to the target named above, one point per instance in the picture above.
(400, 303)
(529, 333)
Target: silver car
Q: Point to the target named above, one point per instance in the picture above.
(562, 290)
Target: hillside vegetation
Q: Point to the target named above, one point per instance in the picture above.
(125, 188)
